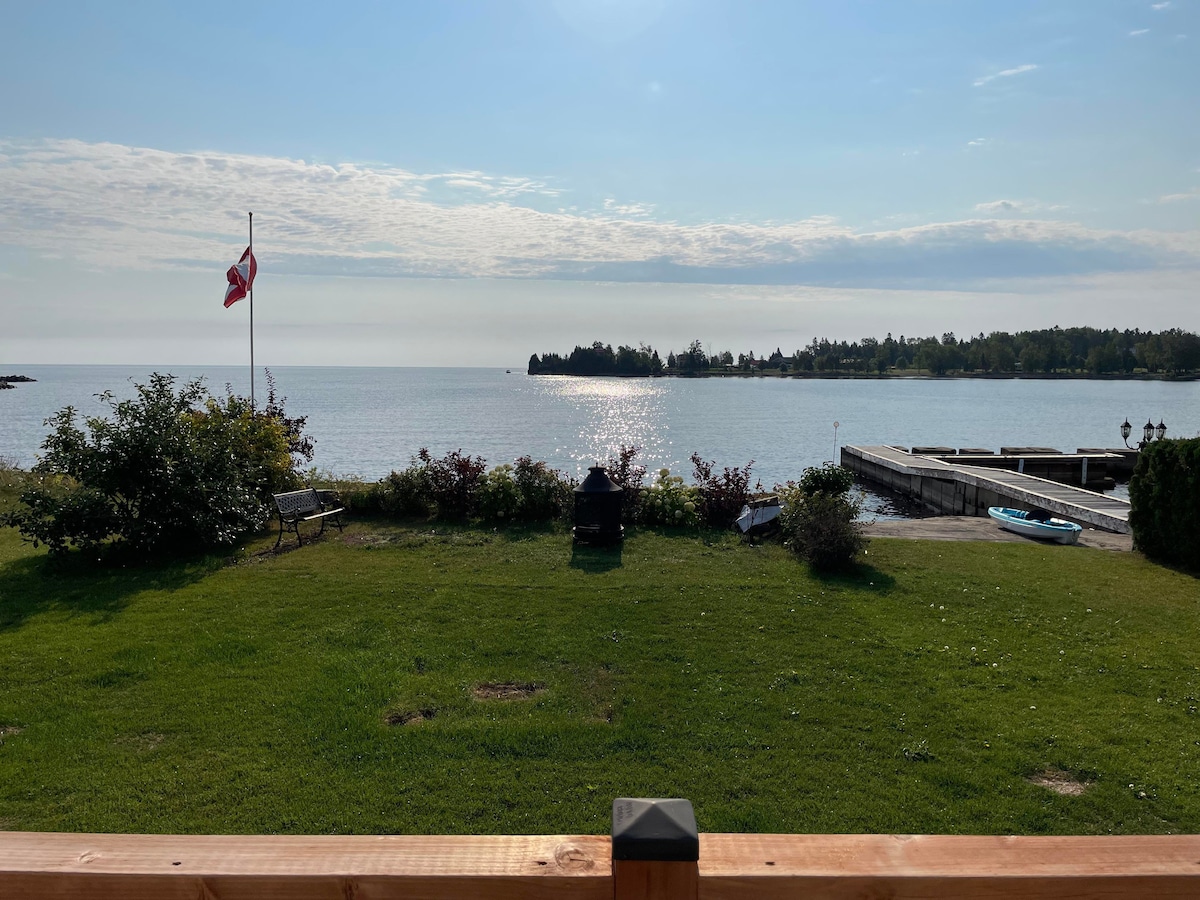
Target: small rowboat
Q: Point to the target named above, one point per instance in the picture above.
(1020, 521)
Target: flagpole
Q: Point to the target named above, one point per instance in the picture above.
(251, 314)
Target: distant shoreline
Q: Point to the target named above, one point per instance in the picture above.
(869, 376)
(6, 379)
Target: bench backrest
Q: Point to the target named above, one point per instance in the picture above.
(298, 503)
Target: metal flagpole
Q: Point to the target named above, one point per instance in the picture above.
(251, 314)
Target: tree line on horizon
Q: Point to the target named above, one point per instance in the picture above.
(1046, 351)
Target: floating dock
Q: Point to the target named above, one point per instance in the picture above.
(963, 489)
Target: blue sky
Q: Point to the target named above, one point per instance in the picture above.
(455, 183)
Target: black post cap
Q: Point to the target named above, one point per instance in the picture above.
(655, 830)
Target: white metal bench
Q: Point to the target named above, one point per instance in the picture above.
(303, 506)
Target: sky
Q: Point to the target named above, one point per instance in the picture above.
(461, 183)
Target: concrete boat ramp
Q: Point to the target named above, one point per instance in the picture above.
(965, 490)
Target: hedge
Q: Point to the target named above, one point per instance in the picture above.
(1165, 497)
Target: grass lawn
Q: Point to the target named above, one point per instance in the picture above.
(921, 695)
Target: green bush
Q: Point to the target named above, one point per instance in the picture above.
(458, 486)
(402, 493)
(829, 478)
(723, 496)
(819, 521)
(13, 480)
(1164, 495)
(168, 469)
(527, 491)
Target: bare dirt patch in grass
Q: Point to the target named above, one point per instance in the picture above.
(141, 743)
(410, 716)
(507, 690)
(370, 539)
(9, 730)
(1063, 783)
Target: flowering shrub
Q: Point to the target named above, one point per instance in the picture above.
(528, 491)
(499, 497)
(545, 493)
(668, 501)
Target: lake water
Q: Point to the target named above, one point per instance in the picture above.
(368, 421)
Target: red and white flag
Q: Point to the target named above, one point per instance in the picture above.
(241, 278)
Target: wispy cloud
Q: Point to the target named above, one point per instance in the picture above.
(634, 210)
(999, 207)
(1138, 31)
(1007, 73)
(979, 142)
(1193, 194)
(1160, 6)
(116, 207)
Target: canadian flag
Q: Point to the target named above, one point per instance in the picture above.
(241, 278)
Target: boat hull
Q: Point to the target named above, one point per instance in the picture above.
(1017, 521)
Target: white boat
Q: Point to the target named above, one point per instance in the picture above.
(758, 517)
(1021, 521)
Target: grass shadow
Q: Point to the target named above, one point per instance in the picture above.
(81, 586)
(596, 560)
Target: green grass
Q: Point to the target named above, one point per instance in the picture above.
(251, 695)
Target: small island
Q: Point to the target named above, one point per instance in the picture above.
(6, 381)
(1081, 352)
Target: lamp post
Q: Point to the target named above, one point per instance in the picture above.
(1150, 432)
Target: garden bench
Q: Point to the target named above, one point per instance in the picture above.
(304, 506)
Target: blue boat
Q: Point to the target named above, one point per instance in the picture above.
(1035, 524)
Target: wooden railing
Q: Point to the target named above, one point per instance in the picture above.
(730, 867)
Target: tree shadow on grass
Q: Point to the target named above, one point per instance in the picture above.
(80, 586)
(862, 577)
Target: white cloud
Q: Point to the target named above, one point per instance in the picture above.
(110, 207)
(1193, 194)
(1016, 206)
(1164, 5)
(978, 142)
(1007, 73)
(1138, 31)
(636, 210)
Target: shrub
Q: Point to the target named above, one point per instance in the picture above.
(451, 483)
(545, 493)
(527, 491)
(624, 471)
(167, 469)
(819, 521)
(499, 497)
(829, 478)
(1164, 496)
(402, 493)
(721, 496)
(668, 501)
(13, 480)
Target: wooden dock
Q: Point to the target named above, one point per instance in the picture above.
(966, 490)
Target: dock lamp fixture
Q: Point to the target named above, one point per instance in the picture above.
(1150, 432)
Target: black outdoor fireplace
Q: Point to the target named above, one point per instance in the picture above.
(598, 509)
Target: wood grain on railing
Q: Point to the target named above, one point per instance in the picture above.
(731, 867)
(206, 867)
(836, 867)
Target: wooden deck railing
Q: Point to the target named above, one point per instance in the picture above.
(730, 867)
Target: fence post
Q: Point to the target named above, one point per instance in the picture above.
(655, 850)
